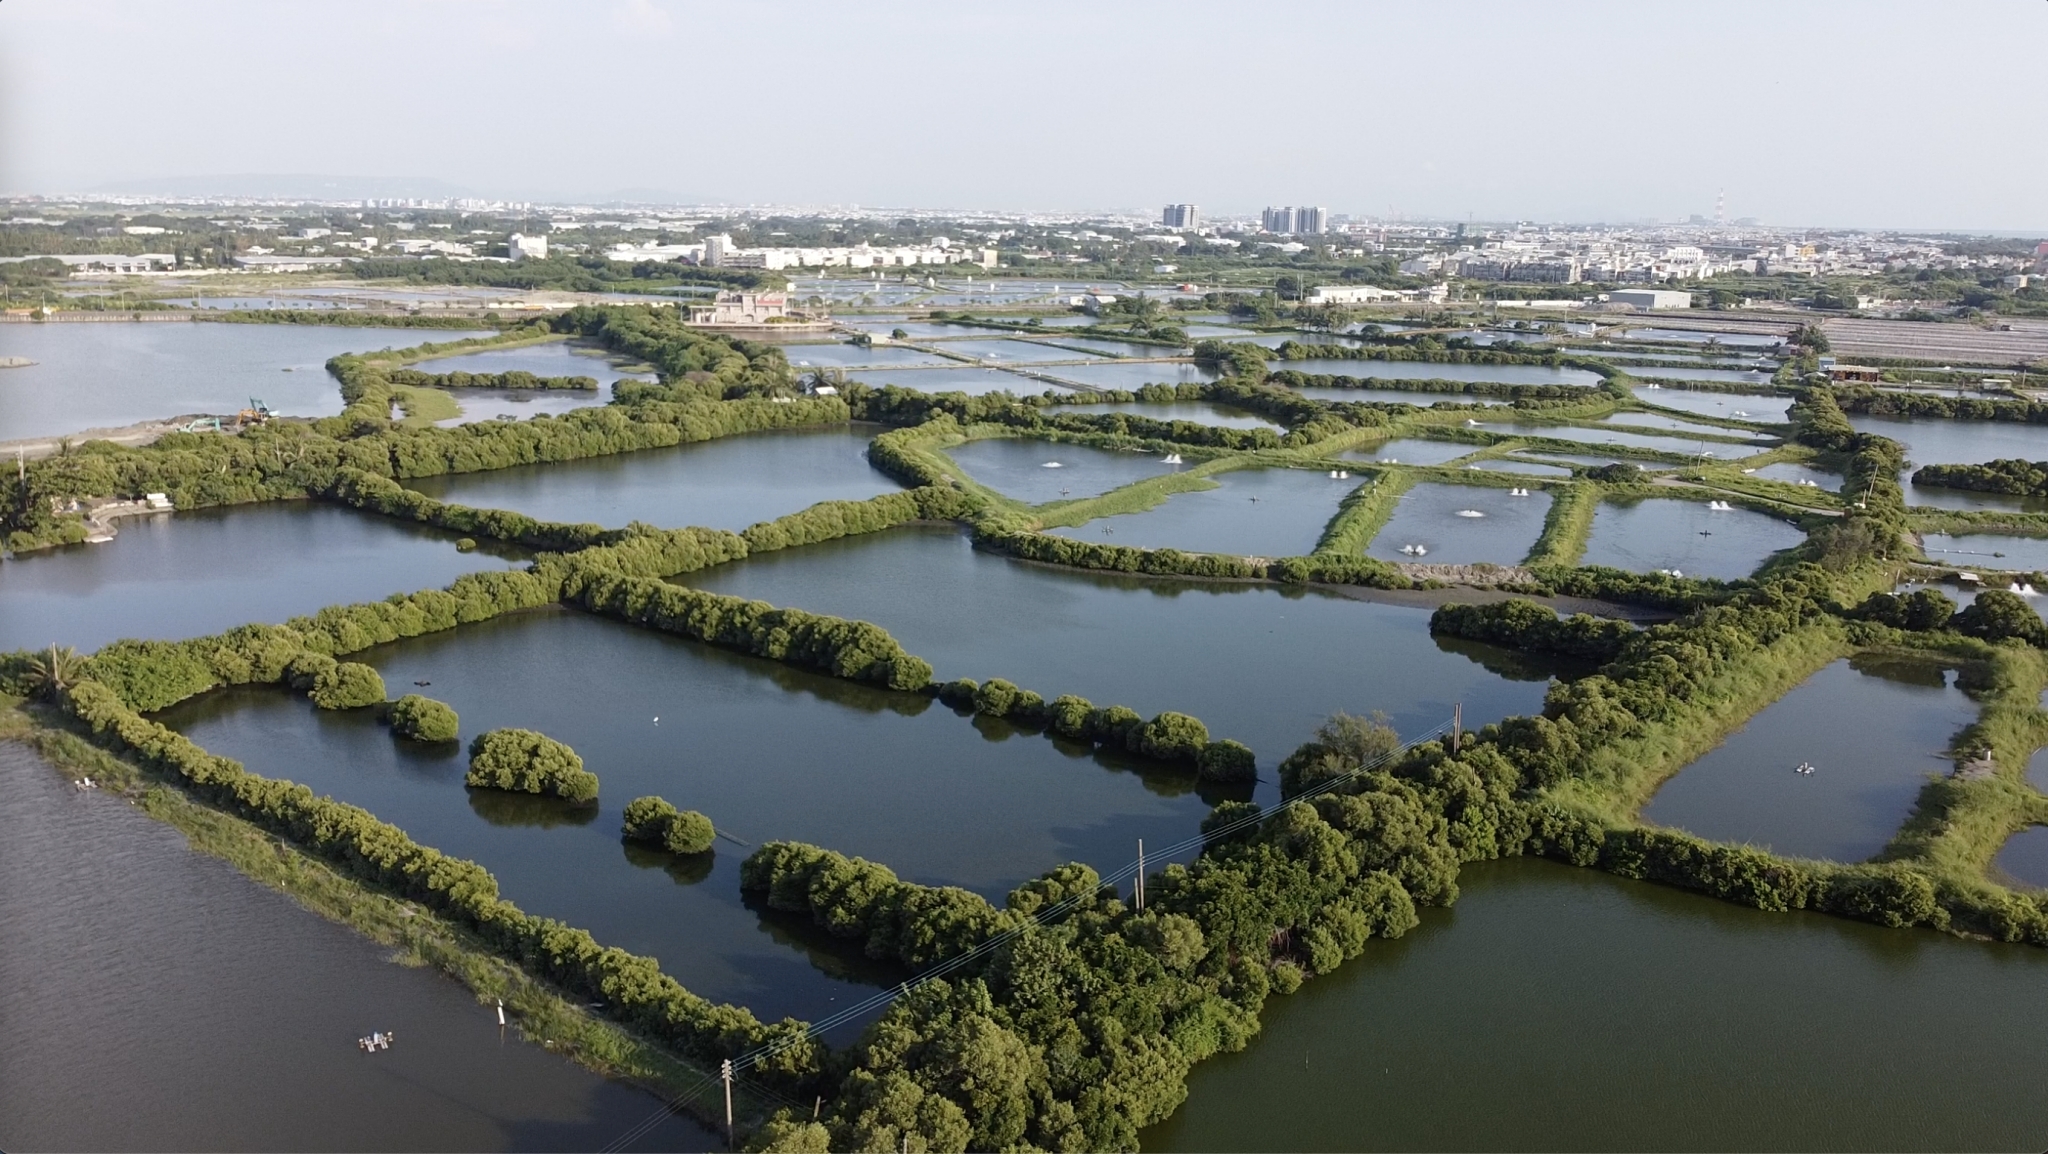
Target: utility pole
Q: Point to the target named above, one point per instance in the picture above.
(1141, 874)
(725, 1072)
(1457, 726)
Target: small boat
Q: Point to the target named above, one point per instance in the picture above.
(1470, 513)
(1052, 465)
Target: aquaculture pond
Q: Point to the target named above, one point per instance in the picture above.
(558, 359)
(845, 356)
(956, 379)
(1637, 420)
(1986, 551)
(1429, 370)
(1567, 1009)
(1146, 643)
(1394, 396)
(1937, 497)
(1770, 410)
(1132, 376)
(1873, 729)
(1439, 519)
(1201, 412)
(1412, 451)
(1516, 465)
(1007, 351)
(1688, 535)
(1591, 460)
(127, 954)
(1702, 336)
(1035, 472)
(1601, 435)
(1797, 474)
(1108, 348)
(729, 483)
(1938, 441)
(2024, 856)
(1251, 512)
(767, 751)
(1752, 376)
(884, 326)
(98, 375)
(174, 575)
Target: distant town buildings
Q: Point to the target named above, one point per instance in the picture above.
(1295, 220)
(718, 251)
(140, 262)
(1278, 221)
(741, 309)
(1311, 220)
(520, 247)
(1181, 216)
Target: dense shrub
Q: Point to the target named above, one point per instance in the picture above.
(419, 718)
(523, 761)
(1996, 615)
(347, 685)
(1521, 624)
(653, 820)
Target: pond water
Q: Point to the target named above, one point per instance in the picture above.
(559, 359)
(1593, 460)
(1708, 1027)
(1986, 551)
(1108, 348)
(1007, 351)
(1018, 467)
(99, 375)
(1252, 512)
(1676, 446)
(959, 379)
(1636, 420)
(1412, 451)
(1512, 465)
(883, 326)
(767, 751)
(177, 575)
(1701, 336)
(1935, 441)
(1767, 409)
(1394, 396)
(1147, 643)
(1689, 373)
(128, 953)
(2024, 856)
(1937, 497)
(1687, 536)
(1794, 473)
(1426, 370)
(1204, 412)
(1219, 332)
(1428, 516)
(1275, 340)
(1115, 375)
(1873, 729)
(729, 483)
(845, 356)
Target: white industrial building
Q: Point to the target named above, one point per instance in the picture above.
(1651, 298)
(520, 247)
(741, 308)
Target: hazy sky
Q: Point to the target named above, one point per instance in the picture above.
(1863, 113)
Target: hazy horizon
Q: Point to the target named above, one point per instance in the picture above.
(1879, 115)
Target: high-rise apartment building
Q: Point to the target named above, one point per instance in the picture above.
(1311, 220)
(1278, 220)
(1181, 216)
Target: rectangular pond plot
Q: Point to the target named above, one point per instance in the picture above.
(1937, 441)
(845, 356)
(1258, 663)
(105, 375)
(1796, 474)
(729, 483)
(1006, 351)
(1036, 472)
(177, 575)
(766, 751)
(957, 379)
(1104, 347)
(552, 360)
(1252, 512)
(1427, 370)
(1132, 376)
(1636, 420)
(1591, 460)
(1766, 1031)
(1201, 412)
(1986, 551)
(1937, 497)
(1687, 536)
(1216, 332)
(1673, 445)
(1412, 451)
(1702, 336)
(884, 326)
(1734, 376)
(1872, 731)
(1461, 525)
(1416, 397)
(1516, 465)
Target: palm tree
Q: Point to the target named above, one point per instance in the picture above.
(56, 673)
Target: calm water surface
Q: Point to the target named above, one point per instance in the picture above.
(1934, 441)
(1689, 373)
(1562, 1009)
(1769, 409)
(1024, 468)
(1132, 377)
(1009, 351)
(1680, 446)
(729, 483)
(767, 751)
(177, 575)
(1111, 348)
(1252, 512)
(1874, 730)
(1201, 412)
(844, 356)
(1687, 536)
(103, 375)
(228, 1015)
(560, 359)
(1152, 645)
(1416, 397)
(1676, 424)
(1700, 336)
(1528, 468)
(959, 379)
(1987, 550)
(2024, 856)
(1427, 515)
(1426, 370)
(1412, 451)
(1821, 478)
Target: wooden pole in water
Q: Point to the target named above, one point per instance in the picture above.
(1457, 726)
(1141, 874)
(725, 1072)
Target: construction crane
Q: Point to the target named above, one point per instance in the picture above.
(256, 414)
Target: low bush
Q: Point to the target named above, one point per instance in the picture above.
(523, 761)
(417, 718)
